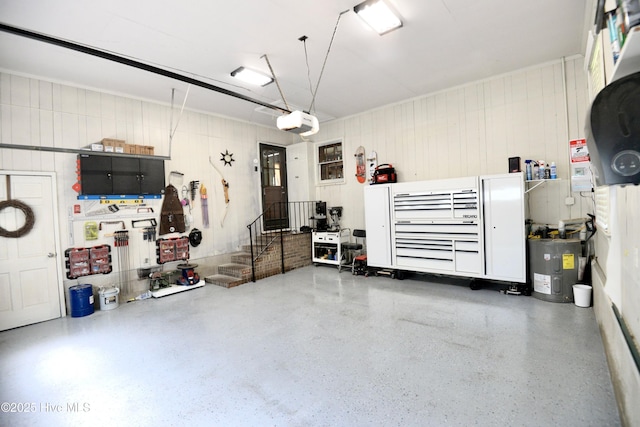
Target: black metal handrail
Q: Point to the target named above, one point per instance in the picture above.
(277, 219)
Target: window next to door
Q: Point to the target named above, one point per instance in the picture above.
(330, 163)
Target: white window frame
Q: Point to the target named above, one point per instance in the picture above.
(318, 165)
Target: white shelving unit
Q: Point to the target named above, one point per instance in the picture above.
(629, 59)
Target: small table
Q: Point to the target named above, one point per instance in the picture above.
(326, 246)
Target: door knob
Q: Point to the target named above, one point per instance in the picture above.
(51, 255)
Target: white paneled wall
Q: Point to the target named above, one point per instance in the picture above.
(628, 200)
(39, 113)
(463, 131)
(473, 130)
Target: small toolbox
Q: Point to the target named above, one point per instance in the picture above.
(384, 174)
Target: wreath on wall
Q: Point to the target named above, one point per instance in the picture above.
(30, 218)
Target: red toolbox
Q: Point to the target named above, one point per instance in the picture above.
(384, 174)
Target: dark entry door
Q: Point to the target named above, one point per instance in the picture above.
(273, 166)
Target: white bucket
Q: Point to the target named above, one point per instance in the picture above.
(582, 295)
(109, 298)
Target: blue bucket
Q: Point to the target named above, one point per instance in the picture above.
(81, 300)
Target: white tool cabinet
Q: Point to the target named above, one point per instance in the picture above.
(471, 226)
(326, 246)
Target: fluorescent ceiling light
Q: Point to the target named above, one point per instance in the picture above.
(252, 77)
(378, 15)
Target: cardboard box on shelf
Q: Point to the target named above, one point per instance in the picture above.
(112, 145)
(112, 141)
(118, 146)
(145, 150)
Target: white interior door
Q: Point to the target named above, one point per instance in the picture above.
(30, 283)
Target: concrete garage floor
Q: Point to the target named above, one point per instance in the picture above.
(313, 347)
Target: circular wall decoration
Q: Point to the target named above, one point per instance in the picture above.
(227, 158)
(28, 215)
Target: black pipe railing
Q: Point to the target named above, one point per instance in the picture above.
(278, 219)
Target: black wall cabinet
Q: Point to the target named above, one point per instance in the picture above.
(106, 175)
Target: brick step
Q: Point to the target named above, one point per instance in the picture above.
(258, 248)
(241, 258)
(235, 270)
(238, 270)
(224, 280)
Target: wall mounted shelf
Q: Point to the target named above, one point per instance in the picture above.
(79, 151)
(120, 197)
(538, 182)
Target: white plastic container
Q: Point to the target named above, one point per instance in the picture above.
(109, 298)
(582, 295)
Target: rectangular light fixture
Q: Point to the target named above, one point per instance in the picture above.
(378, 15)
(251, 76)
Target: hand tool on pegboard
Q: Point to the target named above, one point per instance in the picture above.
(103, 211)
(121, 243)
(193, 186)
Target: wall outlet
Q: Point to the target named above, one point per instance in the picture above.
(569, 201)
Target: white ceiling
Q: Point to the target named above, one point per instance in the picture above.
(443, 43)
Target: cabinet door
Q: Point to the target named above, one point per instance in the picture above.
(504, 231)
(377, 212)
(125, 172)
(95, 175)
(298, 171)
(151, 176)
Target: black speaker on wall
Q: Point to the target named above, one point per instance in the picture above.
(613, 132)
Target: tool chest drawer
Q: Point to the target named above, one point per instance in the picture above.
(326, 237)
(468, 256)
(436, 229)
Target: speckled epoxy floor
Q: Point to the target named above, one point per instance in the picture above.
(313, 347)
